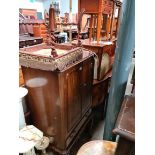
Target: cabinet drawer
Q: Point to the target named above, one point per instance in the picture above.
(77, 128)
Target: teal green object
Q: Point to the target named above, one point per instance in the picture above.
(32, 1)
(123, 57)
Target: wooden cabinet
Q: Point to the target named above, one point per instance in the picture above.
(61, 101)
(72, 89)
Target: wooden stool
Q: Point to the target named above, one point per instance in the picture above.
(98, 147)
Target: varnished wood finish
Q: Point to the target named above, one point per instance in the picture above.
(125, 147)
(86, 81)
(39, 30)
(91, 24)
(100, 94)
(99, 49)
(60, 102)
(99, 8)
(21, 80)
(100, 90)
(125, 127)
(112, 21)
(99, 22)
(98, 147)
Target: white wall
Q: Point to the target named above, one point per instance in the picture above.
(42, 5)
(26, 4)
(64, 5)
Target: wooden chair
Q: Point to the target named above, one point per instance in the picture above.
(102, 17)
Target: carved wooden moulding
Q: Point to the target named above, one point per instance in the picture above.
(40, 57)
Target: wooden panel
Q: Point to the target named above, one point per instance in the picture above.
(107, 6)
(43, 91)
(125, 147)
(91, 7)
(125, 124)
(86, 84)
(100, 90)
(73, 97)
(80, 125)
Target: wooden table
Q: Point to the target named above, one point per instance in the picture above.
(125, 127)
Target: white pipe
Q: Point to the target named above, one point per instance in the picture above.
(22, 93)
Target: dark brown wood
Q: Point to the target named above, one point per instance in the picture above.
(125, 147)
(100, 90)
(26, 40)
(125, 127)
(60, 101)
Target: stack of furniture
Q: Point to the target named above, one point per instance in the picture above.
(102, 70)
(35, 28)
(103, 27)
(27, 40)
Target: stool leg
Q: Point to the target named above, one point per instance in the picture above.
(31, 152)
(44, 152)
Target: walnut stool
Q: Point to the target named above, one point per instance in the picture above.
(98, 147)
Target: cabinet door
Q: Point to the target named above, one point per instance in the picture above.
(86, 80)
(72, 91)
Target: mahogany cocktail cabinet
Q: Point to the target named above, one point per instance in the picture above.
(60, 91)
